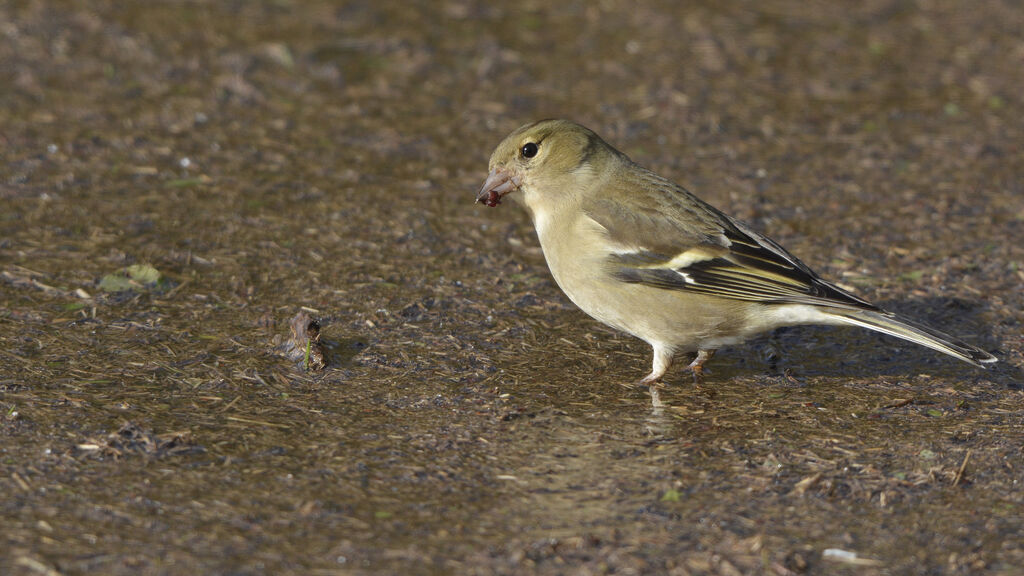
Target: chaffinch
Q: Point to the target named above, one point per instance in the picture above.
(644, 255)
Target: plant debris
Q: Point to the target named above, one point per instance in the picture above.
(304, 345)
(132, 439)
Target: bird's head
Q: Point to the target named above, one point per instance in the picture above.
(543, 157)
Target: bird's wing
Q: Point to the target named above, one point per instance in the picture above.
(711, 254)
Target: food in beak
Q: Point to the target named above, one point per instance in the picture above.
(499, 182)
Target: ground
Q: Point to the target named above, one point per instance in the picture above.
(180, 180)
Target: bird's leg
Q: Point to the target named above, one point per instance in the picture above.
(697, 366)
(662, 360)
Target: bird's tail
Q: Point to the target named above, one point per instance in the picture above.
(893, 325)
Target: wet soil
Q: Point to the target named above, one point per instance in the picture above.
(271, 158)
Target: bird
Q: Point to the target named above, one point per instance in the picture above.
(644, 255)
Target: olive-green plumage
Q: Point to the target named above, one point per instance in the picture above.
(645, 256)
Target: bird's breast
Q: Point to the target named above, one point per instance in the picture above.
(576, 252)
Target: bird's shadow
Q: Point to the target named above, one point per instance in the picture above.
(855, 352)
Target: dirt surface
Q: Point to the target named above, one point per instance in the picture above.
(178, 180)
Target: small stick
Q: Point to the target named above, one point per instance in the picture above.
(963, 467)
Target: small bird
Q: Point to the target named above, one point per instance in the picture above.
(644, 255)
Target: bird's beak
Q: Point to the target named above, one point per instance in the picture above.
(499, 182)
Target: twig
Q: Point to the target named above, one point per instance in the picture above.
(963, 467)
(899, 403)
(259, 422)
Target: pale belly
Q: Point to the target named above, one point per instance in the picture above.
(669, 318)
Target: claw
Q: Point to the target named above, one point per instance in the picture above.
(697, 366)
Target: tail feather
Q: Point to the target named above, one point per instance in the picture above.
(893, 325)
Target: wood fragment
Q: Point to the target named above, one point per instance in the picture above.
(806, 483)
(963, 468)
(258, 422)
(899, 403)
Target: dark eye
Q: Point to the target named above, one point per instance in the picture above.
(529, 150)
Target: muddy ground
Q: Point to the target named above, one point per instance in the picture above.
(251, 160)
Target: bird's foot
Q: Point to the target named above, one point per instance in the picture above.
(653, 383)
(650, 382)
(697, 366)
